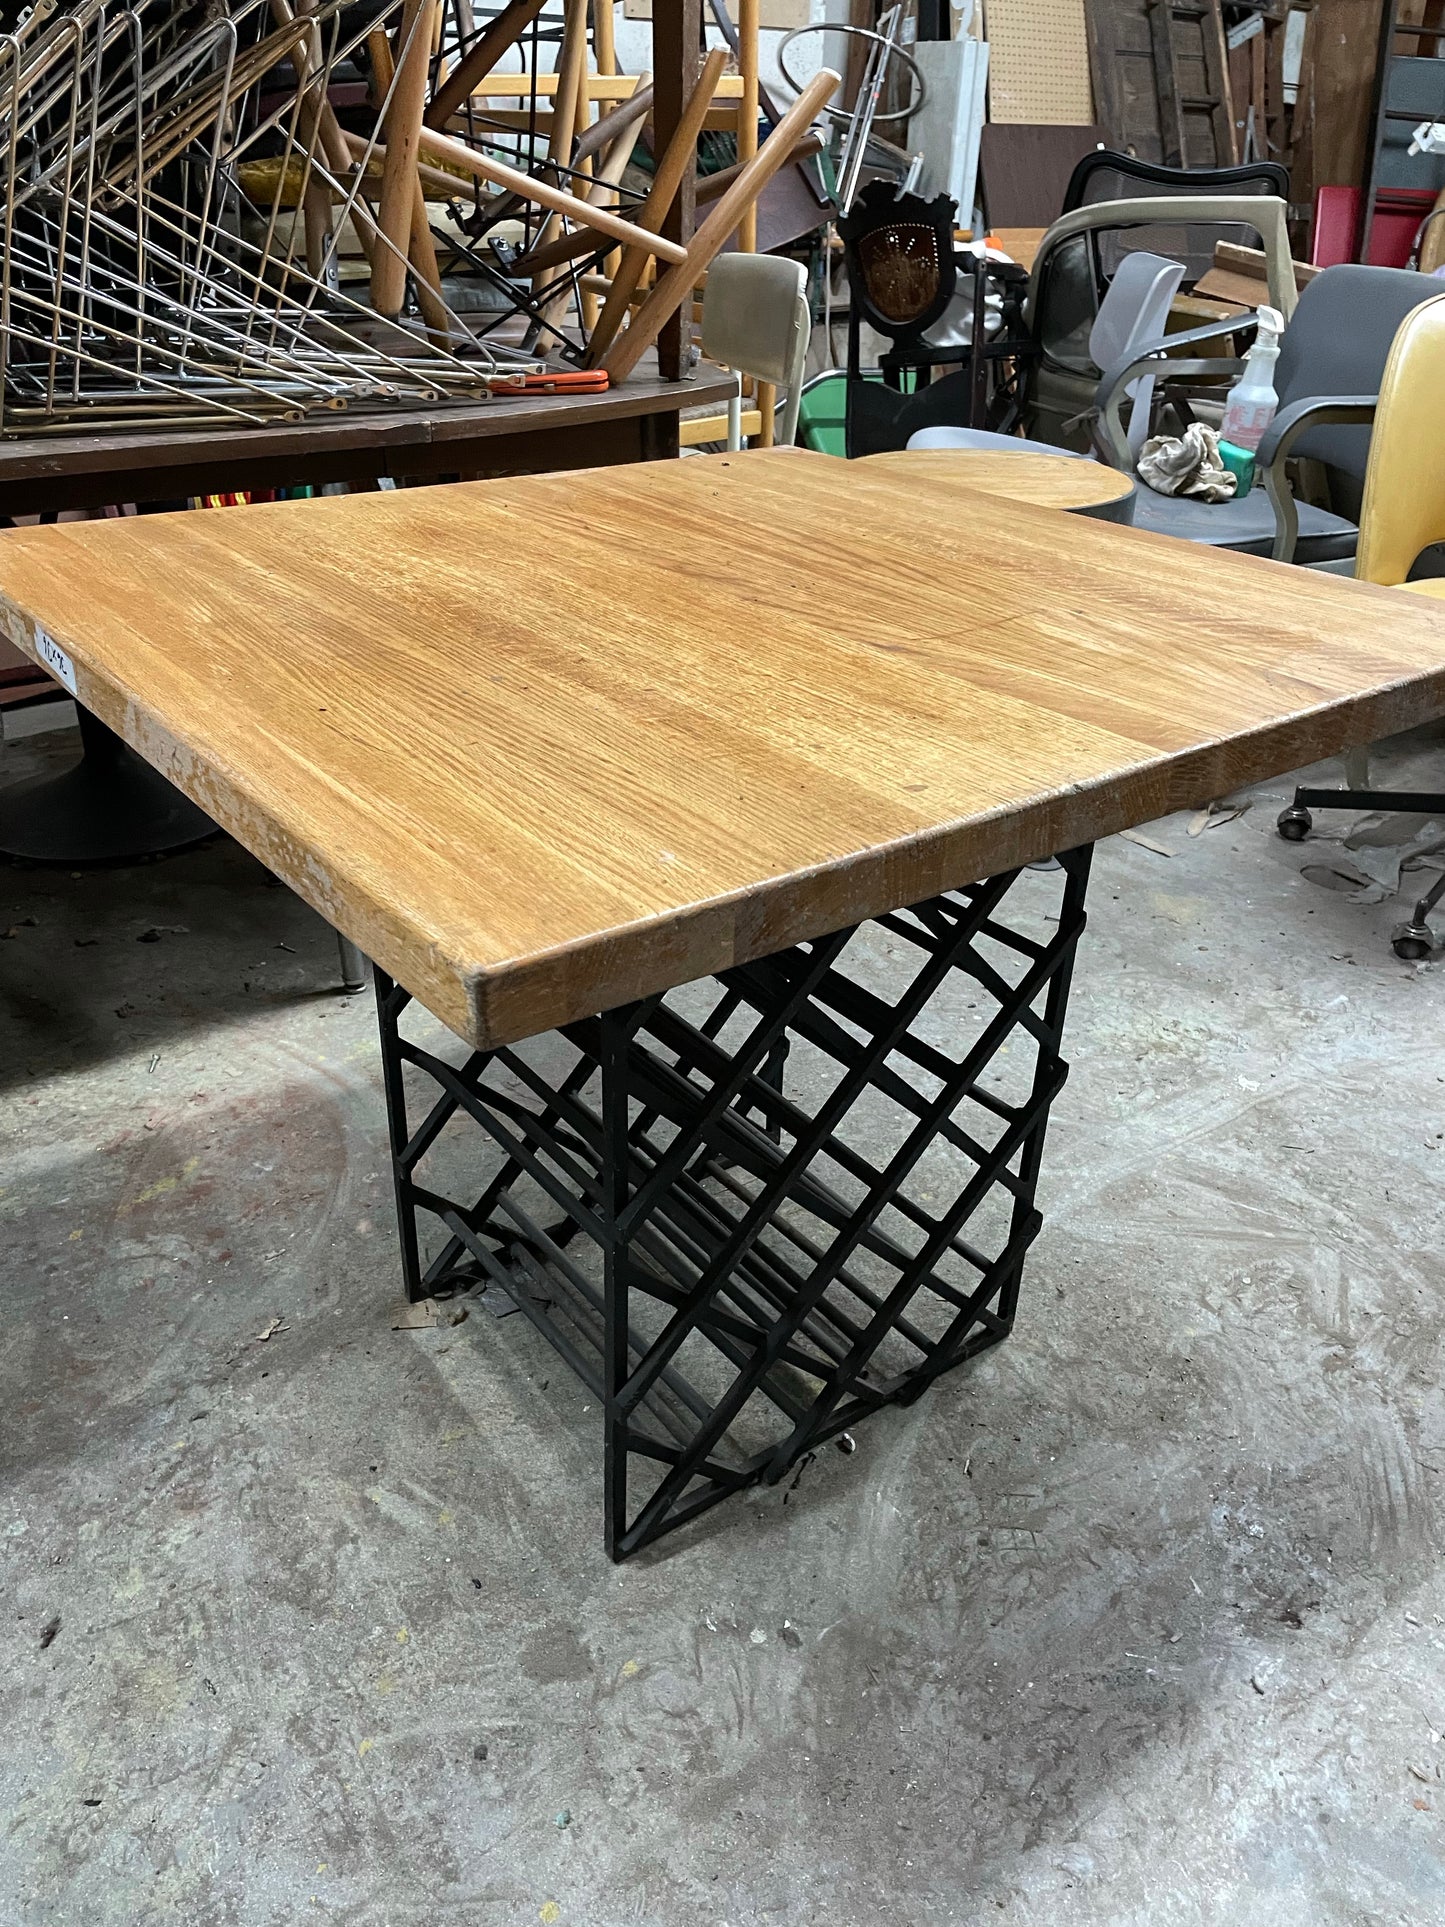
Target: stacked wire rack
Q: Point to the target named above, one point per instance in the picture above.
(145, 282)
(244, 211)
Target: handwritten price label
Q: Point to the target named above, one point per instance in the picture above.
(55, 659)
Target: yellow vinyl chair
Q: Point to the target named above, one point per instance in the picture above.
(1403, 515)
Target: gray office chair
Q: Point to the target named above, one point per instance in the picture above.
(1331, 361)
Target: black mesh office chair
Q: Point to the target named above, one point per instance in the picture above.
(1104, 176)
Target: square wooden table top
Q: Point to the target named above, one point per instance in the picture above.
(542, 746)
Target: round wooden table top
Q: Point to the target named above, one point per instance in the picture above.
(1050, 481)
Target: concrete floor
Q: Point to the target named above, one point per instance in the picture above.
(1137, 1621)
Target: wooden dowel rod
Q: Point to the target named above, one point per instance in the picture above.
(604, 38)
(504, 32)
(616, 122)
(401, 129)
(428, 272)
(613, 163)
(571, 66)
(567, 247)
(618, 154)
(674, 287)
(710, 187)
(421, 248)
(436, 178)
(676, 158)
(512, 86)
(442, 147)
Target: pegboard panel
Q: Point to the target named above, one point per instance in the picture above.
(1038, 62)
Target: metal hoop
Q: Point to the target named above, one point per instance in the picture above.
(846, 115)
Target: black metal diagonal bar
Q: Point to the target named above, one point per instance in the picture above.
(984, 1049)
(908, 1285)
(734, 1270)
(821, 956)
(898, 1168)
(953, 1346)
(805, 1148)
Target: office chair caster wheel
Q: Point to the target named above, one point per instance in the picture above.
(1413, 942)
(1295, 823)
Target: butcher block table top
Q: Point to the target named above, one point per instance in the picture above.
(1052, 481)
(542, 746)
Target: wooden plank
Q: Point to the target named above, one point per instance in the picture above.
(551, 748)
(1228, 284)
(1332, 113)
(698, 429)
(1242, 260)
(1121, 65)
(1161, 84)
(1020, 244)
(1024, 169)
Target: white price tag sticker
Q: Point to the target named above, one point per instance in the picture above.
(55, 659)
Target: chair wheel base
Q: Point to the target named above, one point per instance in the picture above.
(1295, 823)
(1413, 942)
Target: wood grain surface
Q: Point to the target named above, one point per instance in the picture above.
(541, 746)
(129, 452)
(1050, 481)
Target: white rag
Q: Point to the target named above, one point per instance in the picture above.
(1187, 465)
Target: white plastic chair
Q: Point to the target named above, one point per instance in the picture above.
(1133, 312)
(755, 320)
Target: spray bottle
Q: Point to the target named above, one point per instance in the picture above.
(1252, 402)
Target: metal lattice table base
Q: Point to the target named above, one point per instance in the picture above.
(751, 1211)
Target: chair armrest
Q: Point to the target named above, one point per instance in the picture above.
(1321, 411)
(1316, 411)
(1157, 358)
(1263, 214)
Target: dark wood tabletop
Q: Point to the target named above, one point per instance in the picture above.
(635, 421)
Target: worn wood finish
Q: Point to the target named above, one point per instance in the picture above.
(635, 420)
(1048, 481)
(533, 783)
(1161, 87)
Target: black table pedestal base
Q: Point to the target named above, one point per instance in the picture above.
(110, 807)
(751, 1211)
